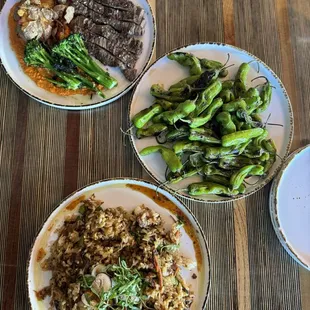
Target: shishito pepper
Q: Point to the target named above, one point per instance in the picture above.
(203, 135)
(172, 160)
(266, 95)
(242, 136)
(209, 188)
(240, 80)
(182, 110)
(144, 116)
(205, 98)
(238, 177)
(187, 60)
(207, 114)
(227, 126)
(150, 131)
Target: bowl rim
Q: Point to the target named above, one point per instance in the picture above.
(142, 183)
(101, 102)
(274, 208)
(225, 199)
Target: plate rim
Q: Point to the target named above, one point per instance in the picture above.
(102, 102)
(273, 208)
(141, 181)
(226, 199)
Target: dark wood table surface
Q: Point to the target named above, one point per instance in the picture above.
(46, 153)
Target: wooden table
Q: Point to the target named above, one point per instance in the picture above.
(45, 154)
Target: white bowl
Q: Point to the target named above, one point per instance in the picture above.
(168, 72)
(289, 206)
(76, 102)
(114, 193)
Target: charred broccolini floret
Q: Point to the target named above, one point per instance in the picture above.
(74, 49)
(36, 55)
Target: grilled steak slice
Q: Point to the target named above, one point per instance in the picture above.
(125, 27)
(102, 55)
(135, 15)
(130, 74)
(128, 43)
(126, 57)
(125, 5)
(108, 59)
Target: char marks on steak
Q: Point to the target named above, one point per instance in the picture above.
(109, 28)
(108, 59)
(125, 27)
(81, 23)
(134, 15)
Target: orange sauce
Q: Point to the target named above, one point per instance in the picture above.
(38, 75)
(164, 202)
(41, 254)
(75, 202)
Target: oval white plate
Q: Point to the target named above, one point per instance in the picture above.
(289, 205)
(76, 102)
(115, 193)
(167, 72)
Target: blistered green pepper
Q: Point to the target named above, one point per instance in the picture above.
(240, 137)
(234, 105)
(251, 92)
(176, 96)
(187, 81)
(177, 134)
(150, 131)
(240, 79)
(238, 177)
(182, 110)
(237, 122)
(207, 115)
(252, 103)
(227, 95)
(218, 152)
(211, 64)
(165, 104)
(266, 95)
(226, 124)
(234, 162)
(206, 97)
(172, 160)
(269, 146)
(187, 60)
(209, 188)
(144, 116)
(186, 146)
(185, 173)
(208, 170)
(229, 84)
(203, 135)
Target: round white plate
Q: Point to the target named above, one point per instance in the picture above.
(290, 206)
(167, 72)
(76, 102)
(115, 193)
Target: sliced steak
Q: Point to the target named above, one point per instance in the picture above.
(133, 16)
(109, 60)
(102, 55)
(124, 27)
(120, 41)
(125, 5)
(124, 56)
(130, 74)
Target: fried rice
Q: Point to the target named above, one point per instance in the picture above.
(133, 251)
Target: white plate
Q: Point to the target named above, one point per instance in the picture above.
(76, 102)
(167, 72)
(115, 193)
(290, 206)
